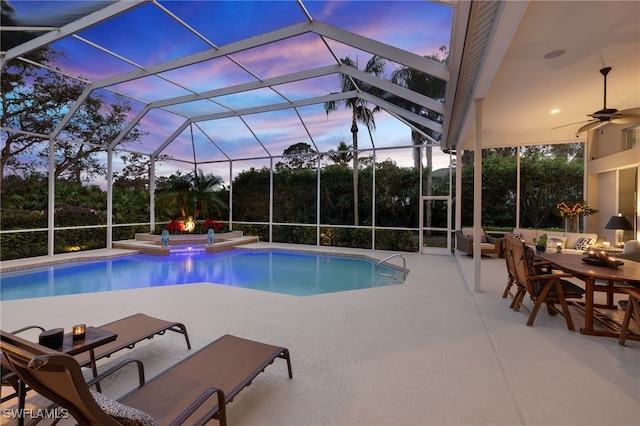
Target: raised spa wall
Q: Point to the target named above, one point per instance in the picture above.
(152, 244)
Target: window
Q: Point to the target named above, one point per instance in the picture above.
(632, 137)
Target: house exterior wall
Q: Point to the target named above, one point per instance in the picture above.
(606, 158)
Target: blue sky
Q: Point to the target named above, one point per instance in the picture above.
(148, 36)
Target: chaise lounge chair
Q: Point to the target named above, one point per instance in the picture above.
(9, 378)
(130, 330)
(183, 392)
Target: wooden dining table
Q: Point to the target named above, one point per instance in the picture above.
(625, 275)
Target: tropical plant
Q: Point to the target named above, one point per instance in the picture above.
(190, 192)
(541, 243)
(360, 112)
(203, 194)
(342, 156)
(427, 85)
(172, 191)
(434, 88)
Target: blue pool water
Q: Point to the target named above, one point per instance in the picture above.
(298, 274)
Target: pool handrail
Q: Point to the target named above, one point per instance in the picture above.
(404, 266)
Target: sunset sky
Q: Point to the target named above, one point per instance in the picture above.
(147, 36)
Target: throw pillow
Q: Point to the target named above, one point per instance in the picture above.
(552, 242)
(123, 414)
(631, 246)
(584, 243)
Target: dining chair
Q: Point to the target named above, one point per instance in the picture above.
(633, 309)
(542, 286)
(511, 274)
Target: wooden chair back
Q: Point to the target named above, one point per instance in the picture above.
(543, 287)
(509, 241)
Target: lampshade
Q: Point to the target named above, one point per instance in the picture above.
(619, 222)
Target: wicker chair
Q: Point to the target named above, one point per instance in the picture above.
(489, 245)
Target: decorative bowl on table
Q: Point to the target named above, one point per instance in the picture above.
(601, 262)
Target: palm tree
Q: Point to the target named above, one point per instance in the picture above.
(191, 189)
(360, 113)
(342, 156)
(171, 191)
(433, 87)
(203, 195)
(427, 85)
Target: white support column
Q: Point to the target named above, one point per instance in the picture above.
(318, 221)
(517, 225)
(421, 209)
(230, 195)
(373, 204)
(477, 198)
(51, 199)
(458, 189)
(110, 199)
(152, 193)
(270, 199)
(451, 238)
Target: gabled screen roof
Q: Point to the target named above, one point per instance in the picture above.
(242, 79)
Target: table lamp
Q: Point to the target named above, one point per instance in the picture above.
(620, 224)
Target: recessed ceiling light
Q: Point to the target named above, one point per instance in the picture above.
(554, 54)
(554, 111)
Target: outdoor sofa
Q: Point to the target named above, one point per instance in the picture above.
(571, 242)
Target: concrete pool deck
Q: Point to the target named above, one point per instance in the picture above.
(427, 352)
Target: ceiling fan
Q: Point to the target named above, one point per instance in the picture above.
(610, 115)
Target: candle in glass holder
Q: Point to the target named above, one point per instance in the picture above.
(592, 254)
(79, 331)
(613, 263)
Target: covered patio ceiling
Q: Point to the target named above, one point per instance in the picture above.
(544, 56)
(219, 81)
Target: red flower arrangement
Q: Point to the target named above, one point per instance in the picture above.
(212, 224)
(174, 226)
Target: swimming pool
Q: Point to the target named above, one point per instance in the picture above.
(298, 274)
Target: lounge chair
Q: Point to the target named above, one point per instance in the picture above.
(8, 376)
(196, 389)
(130, 330)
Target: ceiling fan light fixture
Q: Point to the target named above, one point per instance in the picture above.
(610, 115)
(554, 54)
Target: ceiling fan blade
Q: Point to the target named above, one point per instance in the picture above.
(626, 119)
(592, 125)
(629, 111)
(567, 125)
